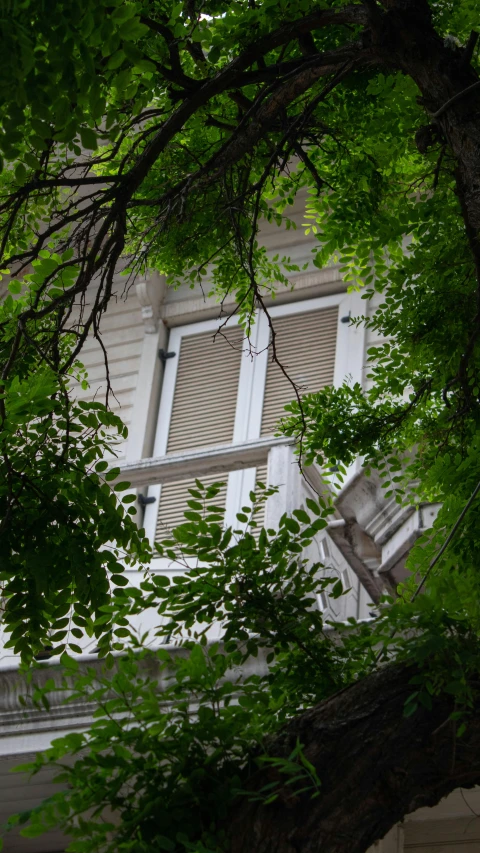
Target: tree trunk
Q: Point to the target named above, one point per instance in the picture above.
(405, 38)
(375, 766)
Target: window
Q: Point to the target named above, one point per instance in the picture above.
(215, 393)
(305, 344)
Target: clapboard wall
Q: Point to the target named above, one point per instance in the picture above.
(122, 333)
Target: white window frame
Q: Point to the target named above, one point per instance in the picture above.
(349, 359)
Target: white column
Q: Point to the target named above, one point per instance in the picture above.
(283, 471)
(150, 291)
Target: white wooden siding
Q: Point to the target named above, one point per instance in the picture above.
(261, 476)
(442, 836)
(372, 338)
(122, 333)
(19, 792)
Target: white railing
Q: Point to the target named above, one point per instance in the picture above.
(293, 485)
(198, 463)
(278, 453)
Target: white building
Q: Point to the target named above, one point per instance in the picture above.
(206, 409)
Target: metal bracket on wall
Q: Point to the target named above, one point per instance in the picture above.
(144, 501)
(164, 355)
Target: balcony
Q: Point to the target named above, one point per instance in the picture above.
(369, 536)
(277, 456)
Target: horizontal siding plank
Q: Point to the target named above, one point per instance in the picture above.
(116, 351)
(116, 322)
(117, 370)
(116, 337)
(442, 836)
(120, 384)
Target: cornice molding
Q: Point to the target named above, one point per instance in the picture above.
(19, 719)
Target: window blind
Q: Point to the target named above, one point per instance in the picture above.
(206, 388)
(173, 502)
(305, 345)
(203, 411)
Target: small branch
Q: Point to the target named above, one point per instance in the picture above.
(302, 154)
(449, 538)
(177, 73)
(470, 47)
(454, 100)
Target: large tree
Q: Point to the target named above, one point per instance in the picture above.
(163, 134)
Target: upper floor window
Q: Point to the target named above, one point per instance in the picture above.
(215, 392)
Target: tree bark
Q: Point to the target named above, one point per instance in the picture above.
(375, 766)
(404, 36)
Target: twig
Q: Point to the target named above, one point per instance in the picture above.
(447, 540)
(455, 98)
(470, 47)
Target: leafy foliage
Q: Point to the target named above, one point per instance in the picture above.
(66, 534)
(183, 127)
(181, 729)
(152, 757)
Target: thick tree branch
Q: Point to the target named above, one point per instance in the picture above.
(102, 222)
(396, 33)
(375, 766)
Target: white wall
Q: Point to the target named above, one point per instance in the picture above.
(122, 333)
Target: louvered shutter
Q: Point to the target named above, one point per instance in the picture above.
(203, 410)
(204, 403)
(173, 502)
(261, 474)
(305, 345)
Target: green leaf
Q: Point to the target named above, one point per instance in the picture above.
(302, 516)
(112, 474)
(164, 843)
(313, 506)
(291, 525)
(119, 580)
(115, 61)
(88, 138)
(68, 662)
(32, 831)
(20, 174)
